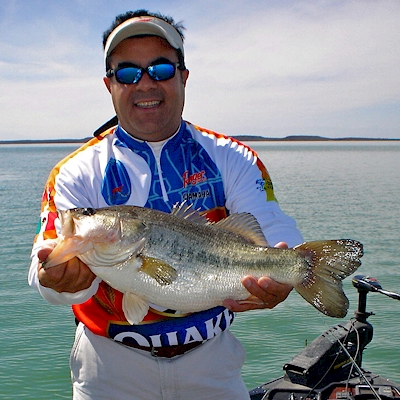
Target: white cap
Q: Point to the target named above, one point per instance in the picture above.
(143, 26)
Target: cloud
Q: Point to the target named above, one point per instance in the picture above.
(272, 68)
(51, 78)
(63, 108)
(295, 70)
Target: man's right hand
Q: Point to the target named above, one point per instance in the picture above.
(71, 276)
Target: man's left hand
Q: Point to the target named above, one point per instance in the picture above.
(265, 292)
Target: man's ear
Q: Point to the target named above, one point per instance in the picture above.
(185, 76)
(107, 82)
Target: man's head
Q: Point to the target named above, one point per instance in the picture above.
(143, 22)
(146, 73)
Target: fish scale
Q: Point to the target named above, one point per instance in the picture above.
(183, 262)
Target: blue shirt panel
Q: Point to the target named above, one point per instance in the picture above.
(188, 172)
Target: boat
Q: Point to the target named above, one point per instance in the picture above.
(330, 367)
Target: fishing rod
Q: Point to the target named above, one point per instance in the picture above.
(372, 285)
(365, 284)
(329, 368)
(107, 125)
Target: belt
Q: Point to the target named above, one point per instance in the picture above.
(167, 351)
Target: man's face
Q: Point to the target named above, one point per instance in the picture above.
(148, 110)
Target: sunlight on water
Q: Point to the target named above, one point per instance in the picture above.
(36, 337)
(334, 191)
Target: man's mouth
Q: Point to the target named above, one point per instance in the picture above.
(148, 104)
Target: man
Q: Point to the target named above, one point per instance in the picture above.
(154, 159)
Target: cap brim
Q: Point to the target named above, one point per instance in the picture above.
(143, 26)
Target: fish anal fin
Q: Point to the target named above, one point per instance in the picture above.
(158, 269)
(246, 226)
(328, 263)
(134, 308)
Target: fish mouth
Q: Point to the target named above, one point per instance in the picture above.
(99, 241)
(66, 250)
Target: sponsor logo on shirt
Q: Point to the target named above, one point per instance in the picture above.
(177, 331)
(193, 179)
(260, 184)
(196, 195)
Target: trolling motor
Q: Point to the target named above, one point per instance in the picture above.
(330, 356)
(330, 366)
(366, 284)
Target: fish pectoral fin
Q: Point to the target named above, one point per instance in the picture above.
(134, 308)
(246, 226)
(162, 272)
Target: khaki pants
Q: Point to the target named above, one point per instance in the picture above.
(103, 369)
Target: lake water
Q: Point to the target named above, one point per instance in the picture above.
(333, 190)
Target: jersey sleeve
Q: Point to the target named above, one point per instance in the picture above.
(248, 187)
(64, 189)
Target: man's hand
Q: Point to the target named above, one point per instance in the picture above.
(265, 292)
(71, 276)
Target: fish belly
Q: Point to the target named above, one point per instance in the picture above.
(191, 291)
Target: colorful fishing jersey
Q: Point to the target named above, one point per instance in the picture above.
(215, 173)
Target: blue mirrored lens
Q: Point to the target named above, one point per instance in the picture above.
(161, 72)
(128, 75)
(158, 72)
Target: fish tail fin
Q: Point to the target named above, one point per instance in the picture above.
(329, 262)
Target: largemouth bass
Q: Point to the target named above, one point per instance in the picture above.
(181, 261)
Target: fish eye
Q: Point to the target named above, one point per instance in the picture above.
(88, 211)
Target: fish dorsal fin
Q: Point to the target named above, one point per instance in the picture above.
(162, 272)
(244, 225)
(185, 211)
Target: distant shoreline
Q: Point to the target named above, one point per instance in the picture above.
(242, 138)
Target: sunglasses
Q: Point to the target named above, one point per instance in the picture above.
(128, 75)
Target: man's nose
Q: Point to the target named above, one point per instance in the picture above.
(146, 82)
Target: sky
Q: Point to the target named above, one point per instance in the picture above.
(271, 68)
